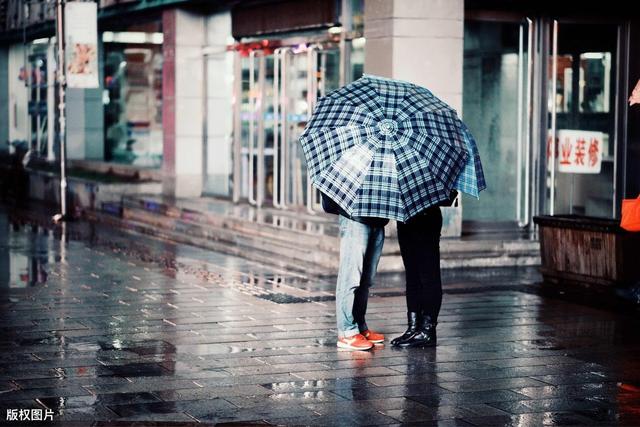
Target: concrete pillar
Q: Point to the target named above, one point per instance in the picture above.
(184, 37)
(85, 120)
(420, 41)
(219, 95)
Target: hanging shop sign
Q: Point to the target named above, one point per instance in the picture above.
(81, 44)
(578, 151)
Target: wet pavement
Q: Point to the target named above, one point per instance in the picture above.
(98, 325)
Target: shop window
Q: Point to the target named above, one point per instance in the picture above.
(133, 98)
(492, 92)
(585, 120)
(39, 77)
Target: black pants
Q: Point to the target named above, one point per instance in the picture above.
(419, 240)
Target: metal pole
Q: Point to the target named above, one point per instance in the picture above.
(284, 142)
(276, 127)
(61, 106)
(260, 168)
(554, 87)
(252, 114)
(519, 125)
(51, 96)
(312, 93)
(527, 150)
(237, 127)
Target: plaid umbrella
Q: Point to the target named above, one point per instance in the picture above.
(389, 149)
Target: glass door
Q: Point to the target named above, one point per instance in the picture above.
(42, 99)
(277, 87)
(581, 108)
(497, 99)
(305, 73)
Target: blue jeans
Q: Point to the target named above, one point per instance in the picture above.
(360, 250)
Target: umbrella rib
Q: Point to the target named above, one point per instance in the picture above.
(425, 166)
(337, 95)
(313, 129)
(411, 91)
(451, 142)
(416, 90)
(443, 113)
(355, 183)
(393, 174)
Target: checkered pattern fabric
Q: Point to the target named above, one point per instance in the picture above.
(471, 179)
(389, 149)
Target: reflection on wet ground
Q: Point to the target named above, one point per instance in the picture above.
(23, 256)
(100, 325)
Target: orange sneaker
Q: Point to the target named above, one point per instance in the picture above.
(373, 337)
(356, 342)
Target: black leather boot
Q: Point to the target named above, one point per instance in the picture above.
(413, 321)
(425, 336)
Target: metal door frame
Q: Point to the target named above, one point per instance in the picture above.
(547, 39)
(533, 142)
(526, 104)
(282, 170)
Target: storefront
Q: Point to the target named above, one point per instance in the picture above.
(215, 96)
(132, 93)
(120, 121)
(528, 76)
(29, 81)
(279, 69)
(39, 78)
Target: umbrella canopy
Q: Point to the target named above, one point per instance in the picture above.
(389, 149)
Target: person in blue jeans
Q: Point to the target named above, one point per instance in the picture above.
(361, 242)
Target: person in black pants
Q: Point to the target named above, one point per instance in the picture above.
(419, 240)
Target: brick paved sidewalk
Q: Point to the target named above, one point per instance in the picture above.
(132, 331)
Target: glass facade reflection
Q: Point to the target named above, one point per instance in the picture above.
(585, 89)
(133, 98)
(502, 105)
(39, 77)
(491, 64)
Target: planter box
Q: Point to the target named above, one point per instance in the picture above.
(588, 251)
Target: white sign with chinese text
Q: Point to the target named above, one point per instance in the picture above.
(578, 151)
(81, 44)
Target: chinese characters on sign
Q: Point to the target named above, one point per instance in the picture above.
(577, 151)
(81, 42)
(29, 415)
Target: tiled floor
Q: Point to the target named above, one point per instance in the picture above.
(106, 326)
